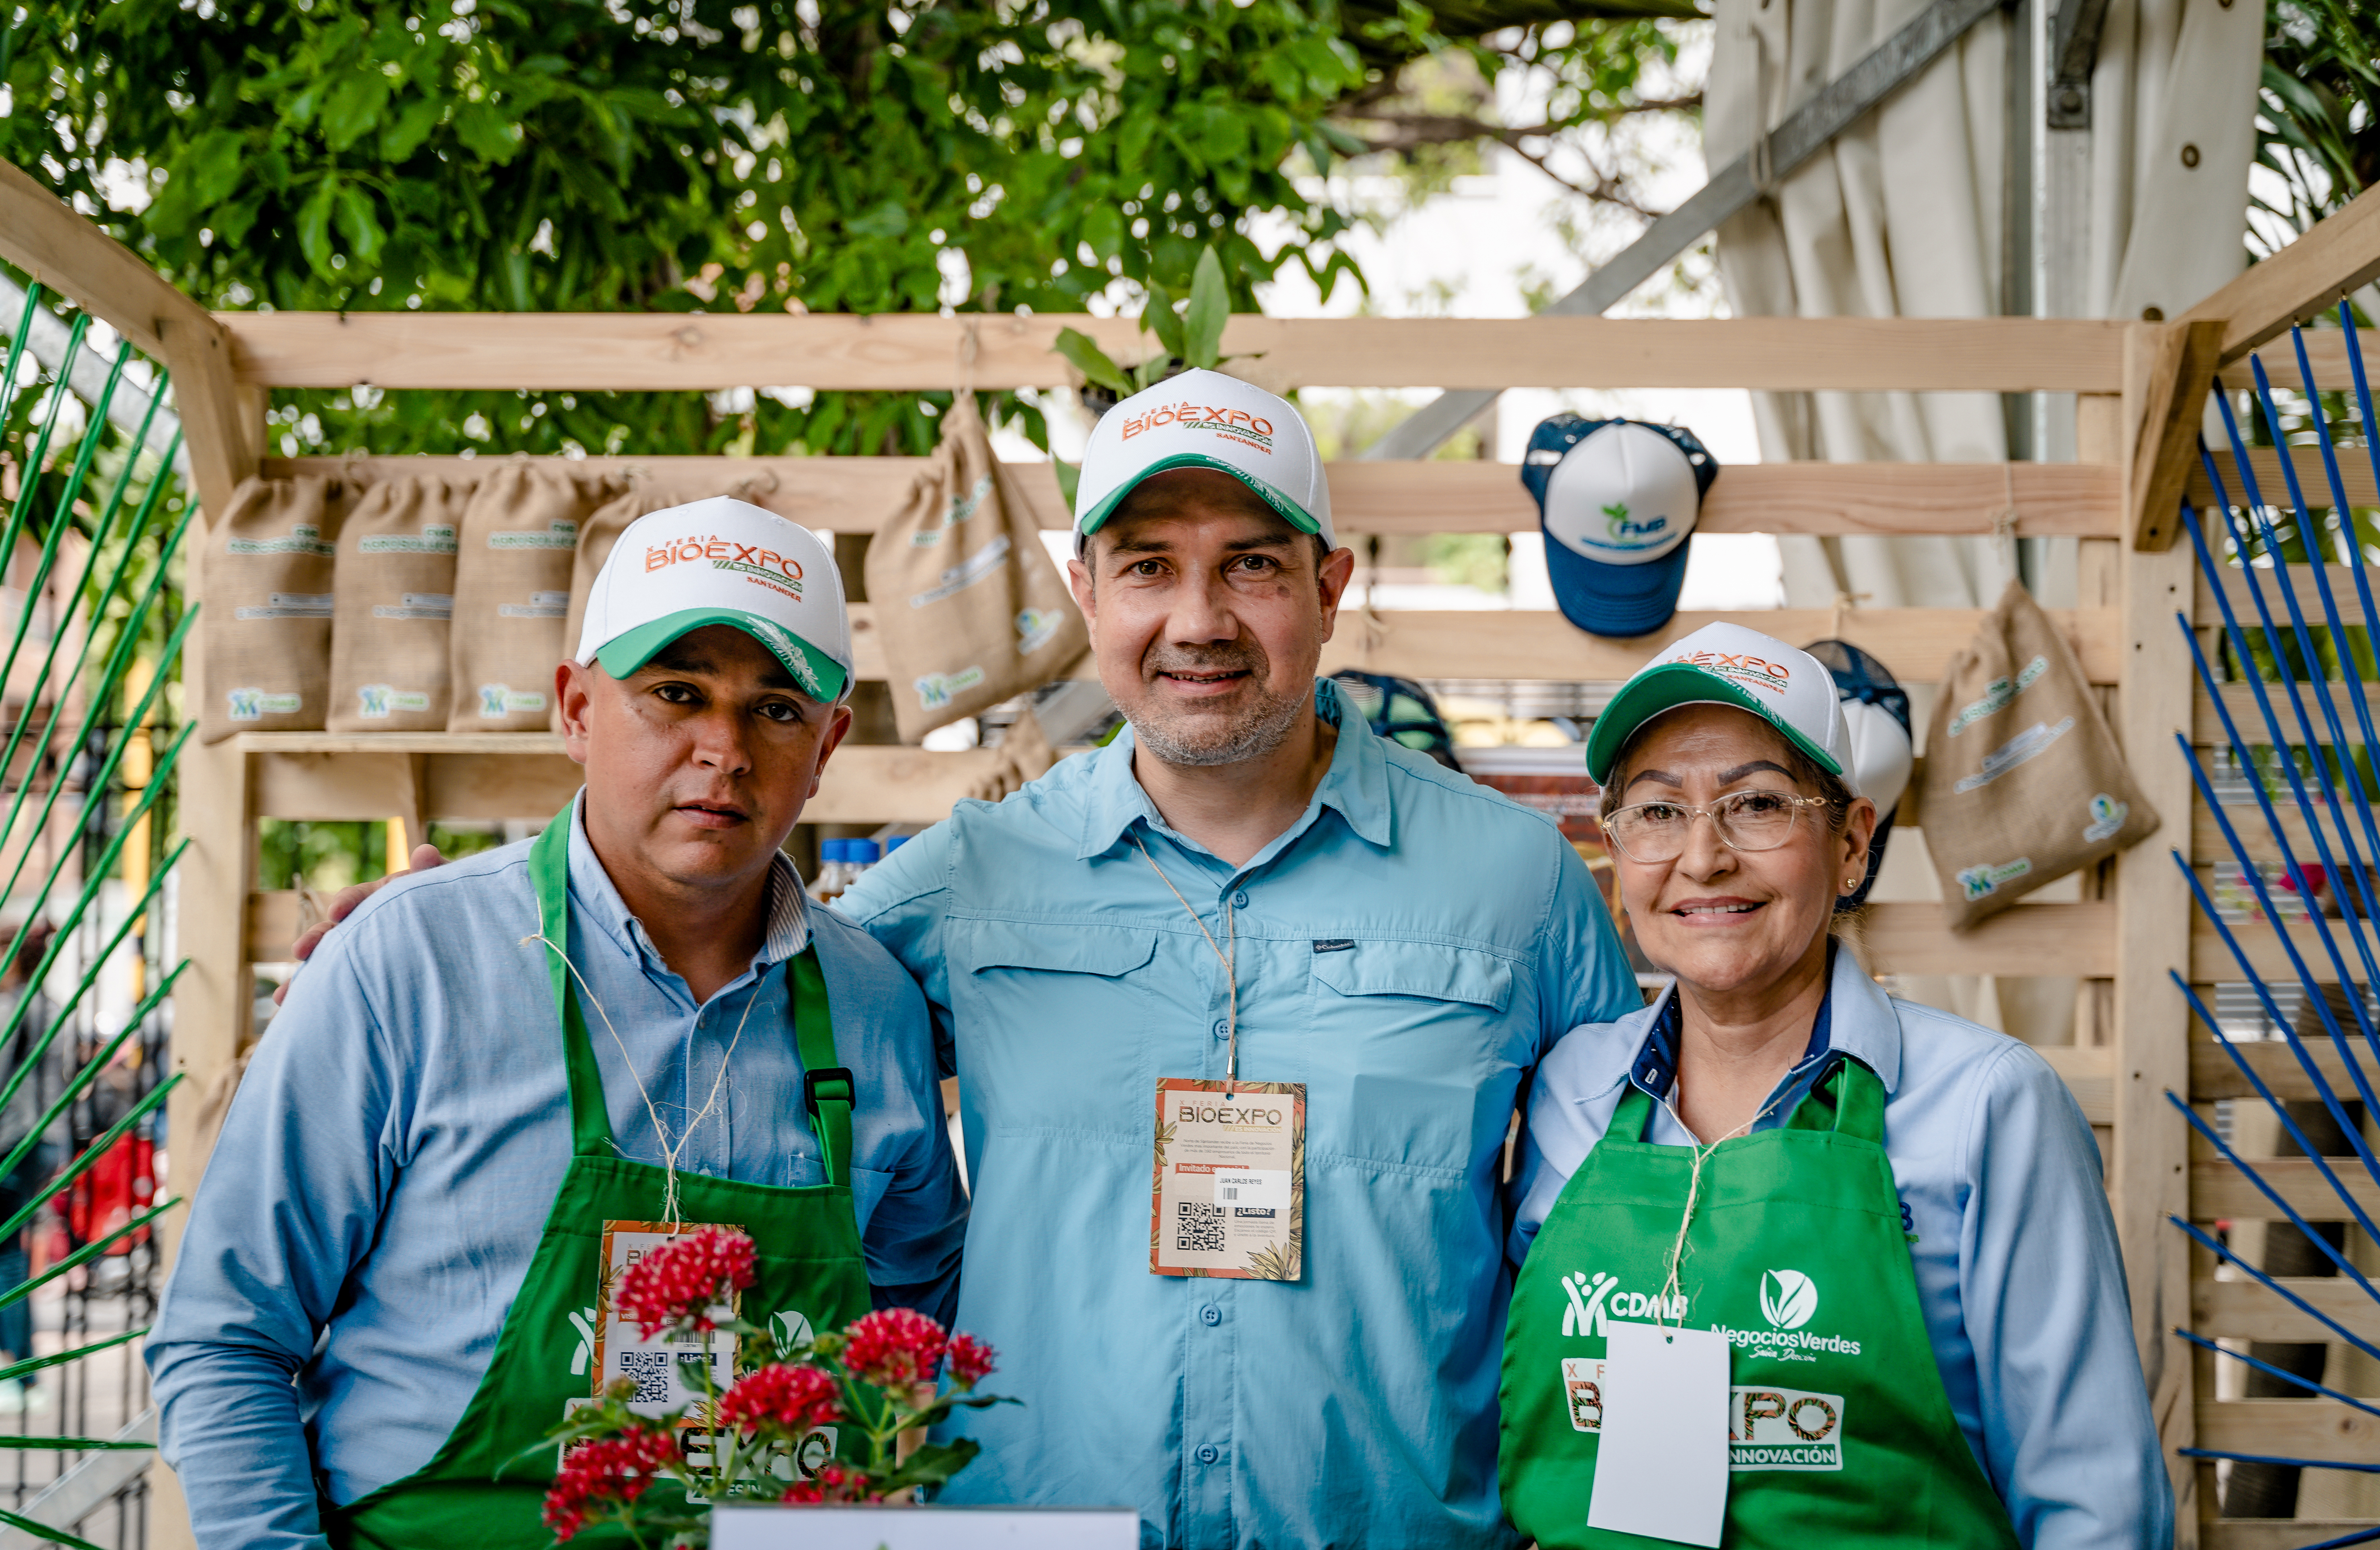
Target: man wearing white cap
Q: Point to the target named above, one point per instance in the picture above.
(1245, 935)
(503, 1077)
(1332, 962)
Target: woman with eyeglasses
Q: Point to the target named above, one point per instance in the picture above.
(1805, 1263)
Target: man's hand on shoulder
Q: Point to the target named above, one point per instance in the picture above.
(344, 904)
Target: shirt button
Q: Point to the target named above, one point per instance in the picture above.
(1211, 1314)
(1240, 899)
(1222, 1028)
(1208, 1454)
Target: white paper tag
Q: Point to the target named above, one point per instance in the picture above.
(1661, 1461)
(1257, 1189)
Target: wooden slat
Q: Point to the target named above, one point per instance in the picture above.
(1519, 643)
(45, 238)
(2184, 369)
(2213, 1075)
(2077, 939)
(2290, 1429)
(2211, 962)
(2207, 845)
(2219, 1190)
(854, 495)
(2265, 463)
(2240, 699)
(2273, 1533)
(2088, 1070)
(591, 351)
(2241, 589)
(2340, 253)
(2244, 1311)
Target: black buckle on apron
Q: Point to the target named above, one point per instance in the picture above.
(830, 1076)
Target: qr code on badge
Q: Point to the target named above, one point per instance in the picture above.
(651, 1370)
(1200, 1229)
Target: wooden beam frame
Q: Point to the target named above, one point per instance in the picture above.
(705, 352)
(853, 494)
(2340, 253)
(44, 237)
(2166, 454)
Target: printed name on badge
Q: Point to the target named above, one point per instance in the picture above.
(1227, 1195)
(667, 1372)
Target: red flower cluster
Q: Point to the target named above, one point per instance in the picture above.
(607, 1472)
(833, 1484)
(970, 1360)
(680, 1282)
(893, 1346)
(794, 1397)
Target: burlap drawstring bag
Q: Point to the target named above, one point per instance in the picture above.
(512, 595)
(2023, 780)
(267, 579)
(969, 609)
(396, 601)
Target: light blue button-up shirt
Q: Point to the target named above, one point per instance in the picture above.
(1407, 949)
(2018, 1271)
(383, 1176)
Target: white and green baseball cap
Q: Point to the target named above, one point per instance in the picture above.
(1729, 664)
(721, 561)
(1205, 419)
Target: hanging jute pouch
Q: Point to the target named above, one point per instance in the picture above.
(267, 577)
(2023, 780)
(512, 595)
(969, 609)
(395, 602)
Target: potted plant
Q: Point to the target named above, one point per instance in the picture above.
(884, 1378)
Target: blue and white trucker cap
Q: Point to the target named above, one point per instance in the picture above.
(1617, 500)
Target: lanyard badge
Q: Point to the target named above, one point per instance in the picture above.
(1227, 1190)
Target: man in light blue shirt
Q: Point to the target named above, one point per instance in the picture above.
(1404, 943)
(1407, 945)
(382, 1183)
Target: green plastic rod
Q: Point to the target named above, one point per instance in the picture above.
(129, 633)
(61, 514)
(16, 344)
(98, 1063)
(40, 454)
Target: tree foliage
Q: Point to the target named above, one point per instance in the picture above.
(2319, 119)
(829, 155)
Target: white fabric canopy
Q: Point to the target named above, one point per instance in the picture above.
(1902, 216)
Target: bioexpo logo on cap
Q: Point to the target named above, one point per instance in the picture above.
(1205, 419)
(721, 561)
(1617, 500)
(1728, 664)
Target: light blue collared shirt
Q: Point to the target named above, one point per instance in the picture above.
(384, 1174)
(1407, 949)
(2018, 1270)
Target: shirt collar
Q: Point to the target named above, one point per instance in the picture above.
(1855, 1019)
(1356, 784)
(591, 888)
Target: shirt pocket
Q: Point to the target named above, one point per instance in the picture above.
(1409, 1039)
(1057, 1031)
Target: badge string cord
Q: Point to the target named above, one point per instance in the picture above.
(1231, 964)
(670, 1213)
(1695, 1186)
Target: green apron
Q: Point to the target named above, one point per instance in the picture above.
(1840, 1432)
(807, 1267)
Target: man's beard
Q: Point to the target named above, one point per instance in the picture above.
(1201, 740)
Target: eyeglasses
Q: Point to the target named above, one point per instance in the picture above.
(1648, 832)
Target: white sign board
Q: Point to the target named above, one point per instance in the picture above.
(923, 1528)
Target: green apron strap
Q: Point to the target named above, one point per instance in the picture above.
(1634, 1112)
(827, 1087)
(1849, 1100)
(549, 871)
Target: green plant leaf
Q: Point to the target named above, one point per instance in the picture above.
(1210, 308)
(403, 135)
(314, 226)
(1070, 478)
(43, 1531)
(1083, 353)
(488, 132)
(1160, 319)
